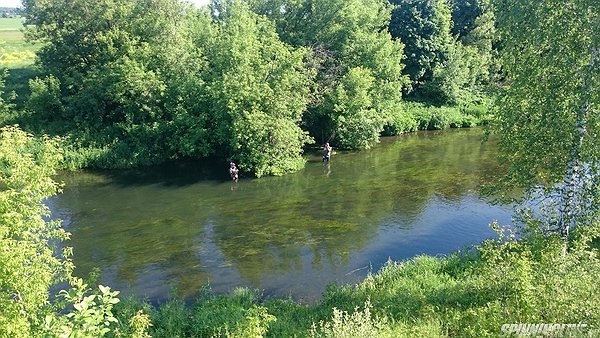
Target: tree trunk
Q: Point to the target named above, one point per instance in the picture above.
(573, 174)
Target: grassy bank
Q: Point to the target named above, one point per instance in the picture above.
(109, 149)
(421, 116)
(468, 294)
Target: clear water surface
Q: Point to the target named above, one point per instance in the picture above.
(175, 228)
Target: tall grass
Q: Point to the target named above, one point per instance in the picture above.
(419, 116)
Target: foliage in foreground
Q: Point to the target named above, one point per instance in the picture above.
(469, 294)
(548, 113)
(29, 262)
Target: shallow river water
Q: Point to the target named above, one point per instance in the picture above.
(175, 228)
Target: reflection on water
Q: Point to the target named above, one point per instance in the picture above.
(177, 227)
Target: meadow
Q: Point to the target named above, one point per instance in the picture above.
(15, 52)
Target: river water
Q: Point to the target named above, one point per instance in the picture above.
(172, 229)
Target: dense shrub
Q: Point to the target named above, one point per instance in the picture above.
(30, 263)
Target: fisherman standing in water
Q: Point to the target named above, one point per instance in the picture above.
(233, 171)
(327, 152)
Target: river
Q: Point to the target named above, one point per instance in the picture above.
(174, 228)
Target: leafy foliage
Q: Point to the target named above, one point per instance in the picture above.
(91, 315)
(465, 13)
(424, 27)
(29, 263)
(119, 67)
(356, 121)
(358, 324)
(446, 63)
(548, 111)
(347, 40)
(259, 91)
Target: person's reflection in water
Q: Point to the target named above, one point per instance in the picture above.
(327, 168)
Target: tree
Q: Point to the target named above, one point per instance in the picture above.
(424, 27)
(29, 262)
(448, 47)
(464, 15)
(28, 266)
(128, 74)
(259, 90)
(548, 112)
(474, 27)
(356, 120)
(344, 36)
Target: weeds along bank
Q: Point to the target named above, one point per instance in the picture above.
(133, 152)
(109, 147)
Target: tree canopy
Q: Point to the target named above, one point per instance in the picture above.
(253, 81)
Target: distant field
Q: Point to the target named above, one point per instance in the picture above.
(7, 24)
(14, 51)
(18, 56)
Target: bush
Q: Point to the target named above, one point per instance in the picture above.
(29, 262)
(478, 110)
(438, 121)
(343, 325)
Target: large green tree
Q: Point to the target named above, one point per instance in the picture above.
(448, 47)
(424, 26)
(258, 92)
(548, 115)
(125, 72)
(346, 38)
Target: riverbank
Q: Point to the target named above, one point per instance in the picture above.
(478, 293)
(98, 152)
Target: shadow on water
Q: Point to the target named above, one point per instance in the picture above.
(182, 225)
(173, 174)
